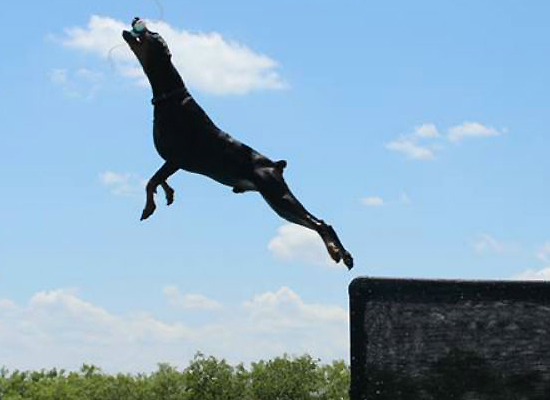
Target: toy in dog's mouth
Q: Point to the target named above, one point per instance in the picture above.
(149, 47)
(138, 27)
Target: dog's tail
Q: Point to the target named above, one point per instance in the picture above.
(280, 165)
(262, 161)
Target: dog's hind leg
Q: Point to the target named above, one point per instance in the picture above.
(276, 193)
(159, 178)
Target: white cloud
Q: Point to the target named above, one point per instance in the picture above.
(89, 75)
(426, 130)
(411, 149)
(486, 243)
(372, 201)
(418, 145)
(207, 61)
(81, 83)
(5, 303)
(471, 129)
(294, 242)
(282, 322)
(534, 275)
(67, 331)
(122, 183)
(425, 140)
(189, 301)
(543, 255)
(377, 201)
(283, 309)
(59, 329)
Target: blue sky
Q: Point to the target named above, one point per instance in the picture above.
(418, 130)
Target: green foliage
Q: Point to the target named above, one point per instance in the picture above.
(210, 379)
(284, 379)
(335, 381)
(205, 378)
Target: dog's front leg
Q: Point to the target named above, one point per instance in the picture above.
(168, 192)
(159, 178)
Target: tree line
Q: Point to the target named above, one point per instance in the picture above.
(205, 378)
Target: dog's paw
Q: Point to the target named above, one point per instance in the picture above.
(169, 195)
(148, 211)
(348, 259)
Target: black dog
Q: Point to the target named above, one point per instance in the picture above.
(187, 139)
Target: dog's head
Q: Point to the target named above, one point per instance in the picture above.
(149, 47)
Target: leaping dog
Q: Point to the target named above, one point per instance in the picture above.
(187, 139)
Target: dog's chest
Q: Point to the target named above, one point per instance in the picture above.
(182, 144)
(170, 143)
(178, 130)
(160, 140)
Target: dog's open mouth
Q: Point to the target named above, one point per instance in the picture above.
(137, 35)
(132, 38)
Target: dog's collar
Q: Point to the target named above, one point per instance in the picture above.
(166, 96)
